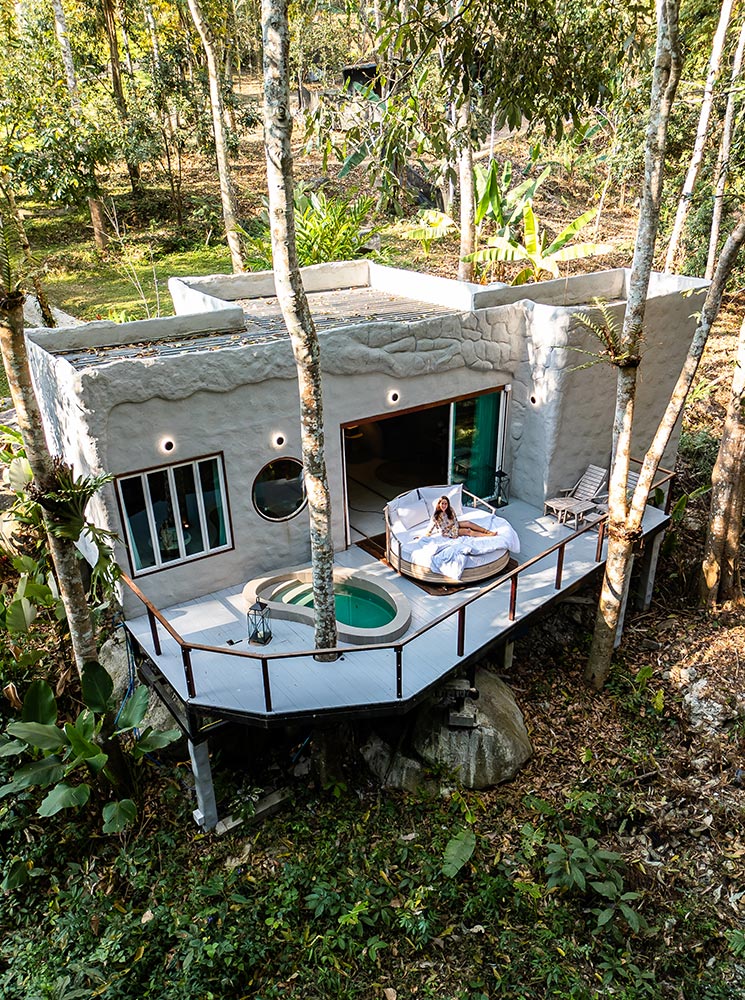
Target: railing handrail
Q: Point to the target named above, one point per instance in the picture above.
(265, 657)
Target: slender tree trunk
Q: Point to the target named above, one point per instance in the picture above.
(621, 535)
(227, 195)
(296, 313)
(41, 295)
(109, 13)
(684, 205)
(98, 217)
(722, 168)
(154, 44)
(63, 552)
(720, 572)
(467, 208)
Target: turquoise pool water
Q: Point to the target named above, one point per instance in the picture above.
(354, 605)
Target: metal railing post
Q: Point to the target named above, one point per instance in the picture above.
(186, 657)
(154, 631)
(265, 679)
(461, 631)
(513, 598)
(559, 567)
(399, 672)
(601, 539)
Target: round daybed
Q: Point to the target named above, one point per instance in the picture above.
(443, 560)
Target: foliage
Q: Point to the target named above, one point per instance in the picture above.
(326, 229)
(542, 253)
(63, 754)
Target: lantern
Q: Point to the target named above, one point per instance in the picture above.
(501, 489)
(259, 629)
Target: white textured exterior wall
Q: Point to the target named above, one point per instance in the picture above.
(233, 401)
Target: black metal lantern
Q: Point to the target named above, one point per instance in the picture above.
(501, 489)
(259, 629)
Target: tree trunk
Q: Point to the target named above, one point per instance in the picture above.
(722, 168)
(41, 295)
(227, 195)
(684, 205)
(63, 552)
(467, 208)
(98, 219)
(720, 575)
(296, 313)
(109, 16)
(621, 534)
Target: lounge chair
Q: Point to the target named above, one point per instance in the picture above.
(573, 503)
(601, 501)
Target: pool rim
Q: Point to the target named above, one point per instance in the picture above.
(264, 587)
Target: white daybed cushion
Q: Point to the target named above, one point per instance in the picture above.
(431, 494)
(412, 512)
(418, 550)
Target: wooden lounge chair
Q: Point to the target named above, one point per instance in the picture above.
(573, 503)
(601, 501)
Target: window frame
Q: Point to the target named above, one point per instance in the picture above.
(169, 468)
(287, 517)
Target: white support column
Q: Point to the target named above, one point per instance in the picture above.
(624, 602)
(206, 812)
(647, 571)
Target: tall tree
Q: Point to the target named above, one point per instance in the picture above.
(109, 19)
(622, 533)
(98, 216)
(684, 205)
(62, 550)
(467, 207)
(720, 571)
(721, 173)
(296, 312)
(227, 192)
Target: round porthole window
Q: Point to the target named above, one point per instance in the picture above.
(278, 490)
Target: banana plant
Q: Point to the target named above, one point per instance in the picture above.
(496, 204)
(542, 254)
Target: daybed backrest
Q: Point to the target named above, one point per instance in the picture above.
(417, 506)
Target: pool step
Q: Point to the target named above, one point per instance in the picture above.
(300, 591)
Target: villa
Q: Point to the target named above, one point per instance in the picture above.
(427, 381)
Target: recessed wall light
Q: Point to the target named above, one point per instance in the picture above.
(278, 440)
(167, 445)
(393, 396)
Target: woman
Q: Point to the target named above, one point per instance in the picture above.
(444, 522)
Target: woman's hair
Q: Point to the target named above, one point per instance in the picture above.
(448, 513)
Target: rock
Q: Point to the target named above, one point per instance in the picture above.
(394, 770)
(492, 752)
(114, 657)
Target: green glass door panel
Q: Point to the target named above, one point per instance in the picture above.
(475, 438)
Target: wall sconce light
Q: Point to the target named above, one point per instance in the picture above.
(393, 397)
(278, 440)
(166, 445)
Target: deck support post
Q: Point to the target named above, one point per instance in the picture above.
(647, 571)
(624, 602)
(506, 652)
(206, 812)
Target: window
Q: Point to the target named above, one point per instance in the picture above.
(175, 513)
(279, 489)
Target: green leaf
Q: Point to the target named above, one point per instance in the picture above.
(458, 852)
(19, 474)
(38, 735)
(97, 686)
(632, 917)
(11, 748)
(579, 251)
(15, 876)
(134, 709)
(154, 740)
(530, 231)
(118, 815)
(605, 915)
(82, 748)
(607, 889)
(20, 615)
(570, 231)
(64, 796)
(39, 773)
(86, 724)
(39, 705)
(354, 159)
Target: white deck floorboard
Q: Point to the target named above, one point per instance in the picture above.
(302, 686)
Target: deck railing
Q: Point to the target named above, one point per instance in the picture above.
(155, 617)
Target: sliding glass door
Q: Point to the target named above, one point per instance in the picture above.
(476, 442)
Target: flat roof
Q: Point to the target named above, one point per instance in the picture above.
(339, 307)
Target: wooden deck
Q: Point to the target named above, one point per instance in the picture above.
(363, 680)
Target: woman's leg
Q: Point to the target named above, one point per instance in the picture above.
(469, 528)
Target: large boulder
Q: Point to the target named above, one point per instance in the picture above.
(115, 657)
(487, 753)
(394, 769)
